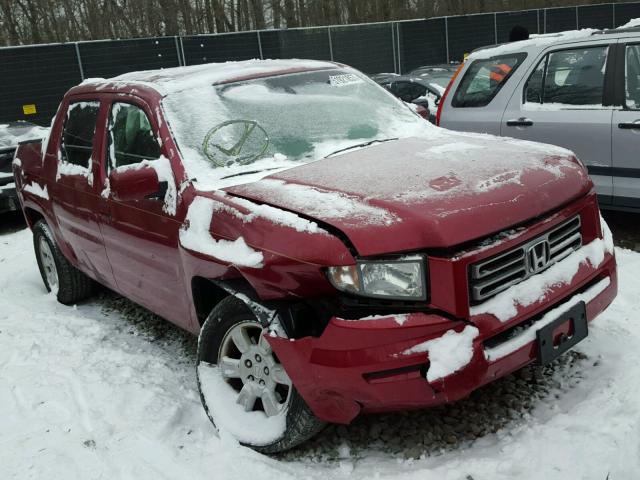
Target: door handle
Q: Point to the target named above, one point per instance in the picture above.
(630, 126)
(520, 122)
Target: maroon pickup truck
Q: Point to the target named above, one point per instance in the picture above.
(335, 253)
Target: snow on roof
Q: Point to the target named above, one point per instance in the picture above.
(634, 22)
(169, 80)
(533, 41)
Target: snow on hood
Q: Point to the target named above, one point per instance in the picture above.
(417, 193)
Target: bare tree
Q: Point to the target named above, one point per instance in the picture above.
(37, 21)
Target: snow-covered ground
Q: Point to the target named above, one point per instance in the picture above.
(105, 390)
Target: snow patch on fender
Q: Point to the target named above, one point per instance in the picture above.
(504, 305)
(448, 353)
(197, 237)
(254, 427)
(37, 190)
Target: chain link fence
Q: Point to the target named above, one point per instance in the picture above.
(36, 77)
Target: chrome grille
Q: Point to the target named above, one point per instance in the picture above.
(506, 269)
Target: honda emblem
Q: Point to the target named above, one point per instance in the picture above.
(538, 256)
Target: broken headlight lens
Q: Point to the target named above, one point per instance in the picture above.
(401, 279)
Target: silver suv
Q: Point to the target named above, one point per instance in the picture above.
(579, 90)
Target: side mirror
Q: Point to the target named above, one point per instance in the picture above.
(134, 183)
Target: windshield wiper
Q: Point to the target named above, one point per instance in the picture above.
(249, 172)
(360, 145)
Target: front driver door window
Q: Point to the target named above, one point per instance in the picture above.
(131, 138)
(562, 102)
(141, 237)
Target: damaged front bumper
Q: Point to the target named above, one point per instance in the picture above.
(376, 364)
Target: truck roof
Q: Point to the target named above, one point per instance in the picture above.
(169, 80)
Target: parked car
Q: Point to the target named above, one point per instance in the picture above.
(579, 90)
(10, 135)
(341, 258)
(423, 86)
(439, 74)
(383, 77)
(417, 91)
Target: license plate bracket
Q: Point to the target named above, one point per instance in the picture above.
(547, 351)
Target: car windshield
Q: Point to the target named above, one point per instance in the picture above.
(249, 126)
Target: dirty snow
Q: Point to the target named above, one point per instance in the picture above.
(36, 189)
(93, 392)
(504, 305)
(248, 427)
(448, 353)
(196, 236)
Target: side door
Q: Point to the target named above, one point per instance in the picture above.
(141, 235)
(78, 204)
(626, 130)
(481, 95)
(564, 100)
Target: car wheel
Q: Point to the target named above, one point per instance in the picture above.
(243, 387)
(59, 276)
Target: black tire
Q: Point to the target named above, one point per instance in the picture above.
(301, 423)
(73, 285)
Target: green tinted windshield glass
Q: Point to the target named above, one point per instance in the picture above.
(300, 117)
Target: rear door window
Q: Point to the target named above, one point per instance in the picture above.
(569, 77)
(131, 138)
(78, 133)
(632, 74)
(484, 78)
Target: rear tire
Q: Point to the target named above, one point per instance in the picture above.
(58, 275)
(230, 316)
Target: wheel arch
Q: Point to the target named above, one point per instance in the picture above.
(32, 216)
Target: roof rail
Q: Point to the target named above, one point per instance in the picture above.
(618, 30)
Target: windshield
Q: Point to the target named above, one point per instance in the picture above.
(247, 127)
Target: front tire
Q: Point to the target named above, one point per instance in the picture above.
(243, 387)
(68, 283)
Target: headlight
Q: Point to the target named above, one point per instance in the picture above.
(402, 279)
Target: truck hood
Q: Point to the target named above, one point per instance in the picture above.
(417, 193)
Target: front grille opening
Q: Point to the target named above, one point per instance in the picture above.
(501, 283)
(500, 272)
(504, 261)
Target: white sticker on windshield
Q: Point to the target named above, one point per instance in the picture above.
(344, 79)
